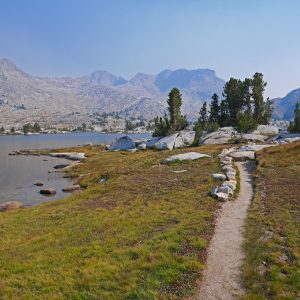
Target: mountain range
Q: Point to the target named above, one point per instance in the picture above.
(71, 101)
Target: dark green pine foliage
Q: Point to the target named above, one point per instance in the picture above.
(214, 109)
(176, 121)
(258, 88)
(234, 97)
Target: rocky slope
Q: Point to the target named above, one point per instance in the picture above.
(284, 107)
(72, 101)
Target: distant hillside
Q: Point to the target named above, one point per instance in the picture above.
(50, 101)
(284, 107)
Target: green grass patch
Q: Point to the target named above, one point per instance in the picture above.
(272, 268)
(141, 235)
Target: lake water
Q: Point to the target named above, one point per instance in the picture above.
(19, 173)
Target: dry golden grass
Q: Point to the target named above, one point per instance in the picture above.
(272, 268)
(141, 235)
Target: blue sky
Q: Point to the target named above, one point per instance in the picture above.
(234, 37)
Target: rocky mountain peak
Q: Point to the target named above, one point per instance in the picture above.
(106, 78)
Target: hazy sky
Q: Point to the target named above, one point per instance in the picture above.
(234, 37)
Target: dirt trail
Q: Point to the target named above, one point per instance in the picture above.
(222, 278)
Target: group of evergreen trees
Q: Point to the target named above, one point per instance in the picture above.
(31, 128)
(295, 125)
(243, 106)
(176, 121)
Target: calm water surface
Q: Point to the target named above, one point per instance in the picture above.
(19, 173)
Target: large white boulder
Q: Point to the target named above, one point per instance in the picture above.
(167, 142)
(269, 130)
(184, 138)
(223, 135)
(122, 143)
(185, 156)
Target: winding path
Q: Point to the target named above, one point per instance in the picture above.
(222, 278)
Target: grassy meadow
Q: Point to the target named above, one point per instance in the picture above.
(272, 268)
(141, 235)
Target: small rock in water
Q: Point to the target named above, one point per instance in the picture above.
(48, 191)
(39, 183)
(10, 205)
(60, 166)
(71, 188)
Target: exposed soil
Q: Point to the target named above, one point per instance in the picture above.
(222, 277)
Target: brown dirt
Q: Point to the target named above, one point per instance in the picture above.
(222, 277)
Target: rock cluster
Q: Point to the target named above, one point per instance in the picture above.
(181, 139)
(228, 177)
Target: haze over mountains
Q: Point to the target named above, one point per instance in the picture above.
(70, 101)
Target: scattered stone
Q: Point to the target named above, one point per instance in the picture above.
(222, 197)
(185, 156)
(39, 183)
(242, 155)
(218, 176)
(230, 184)
(132, 150)
(103, 180)
(71, 188)
(225, 189)
(10, 205)
(214, 191)
(122, 143)
(48, 191)
(179, 171)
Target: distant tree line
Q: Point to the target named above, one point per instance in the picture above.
(243, 106)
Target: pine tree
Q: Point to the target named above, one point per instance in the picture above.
(214, 109)
(203, 118)
(268, 110)
(174, 101)
(2, 130)
(258, 88)
(223, 118)
(234, 98)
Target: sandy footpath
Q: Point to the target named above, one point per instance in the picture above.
(222, 277)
